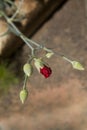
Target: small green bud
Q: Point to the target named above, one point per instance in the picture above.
(28, 69)
(23, 95)
(49, 54)
(77, 65)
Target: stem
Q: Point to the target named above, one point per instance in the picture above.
(23, 38)
(29, 42)
(34, 43)
(18, 33)
(25, 81)
(65, 58)
(12, 26)
(10, 2)
(58, 54)
(18, 9)
(5, 33)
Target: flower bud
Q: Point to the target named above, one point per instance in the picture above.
(49, 54)
(77, 65)
(42, 68)
(28, 69)
(23, 95)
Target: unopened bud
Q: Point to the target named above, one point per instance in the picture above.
(23, 95)
(28, 69)
(43, 68)
(49, 54)
(77, 65)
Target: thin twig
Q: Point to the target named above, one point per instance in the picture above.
(18, 9)
(25, 81)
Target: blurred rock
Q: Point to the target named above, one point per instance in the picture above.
(35, 13)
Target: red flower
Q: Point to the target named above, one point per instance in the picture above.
(42, 68)
(46, 71)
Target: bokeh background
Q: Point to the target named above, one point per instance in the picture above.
(59, 102)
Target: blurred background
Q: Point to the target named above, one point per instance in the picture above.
(59, 102)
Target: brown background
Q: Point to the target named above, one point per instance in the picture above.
(60, 102)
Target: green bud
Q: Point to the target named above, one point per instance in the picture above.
(23, 95)
(49, 54)
(28, 69)
(77, 65)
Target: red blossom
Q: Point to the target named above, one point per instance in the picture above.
(46, 71)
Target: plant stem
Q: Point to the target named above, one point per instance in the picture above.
(11, 3)
(34, 43)
(25, 81)
(65, 58)
(18, 32)
(24, 39)
(28, 41)
(17, 11)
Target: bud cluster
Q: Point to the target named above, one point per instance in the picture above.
(42, 67)
(39, 63)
